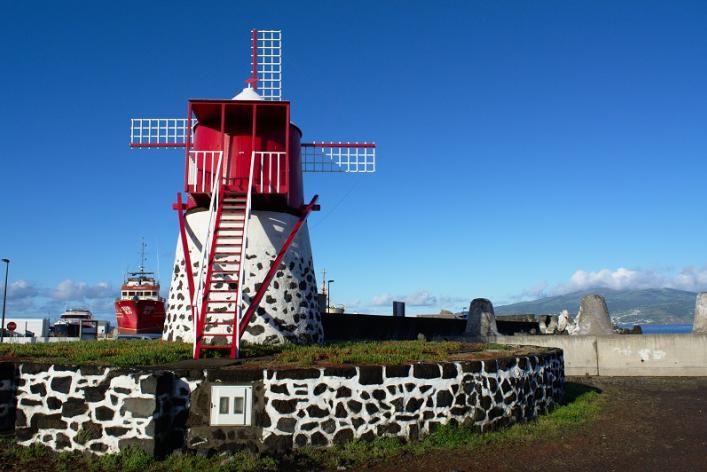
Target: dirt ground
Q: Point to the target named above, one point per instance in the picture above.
(646, 424)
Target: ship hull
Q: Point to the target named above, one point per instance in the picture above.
(139, 316)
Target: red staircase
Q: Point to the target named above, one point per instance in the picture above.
(218, 314)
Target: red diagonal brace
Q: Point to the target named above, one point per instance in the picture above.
(185, 250)
(273, 268)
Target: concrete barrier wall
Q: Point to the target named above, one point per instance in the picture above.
(626, 355)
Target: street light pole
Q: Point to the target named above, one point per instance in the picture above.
(328, 291)
(4, 301)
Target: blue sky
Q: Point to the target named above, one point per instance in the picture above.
(524, 148)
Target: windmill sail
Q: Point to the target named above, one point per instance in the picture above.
(353, 158)
(266, 63)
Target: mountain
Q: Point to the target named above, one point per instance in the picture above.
(662, 305)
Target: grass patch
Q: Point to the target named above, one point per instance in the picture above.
(375, 352)
(132, 353)
(119, 353)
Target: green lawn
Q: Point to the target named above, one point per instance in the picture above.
(132, 353)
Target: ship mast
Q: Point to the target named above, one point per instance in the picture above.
(142, 256)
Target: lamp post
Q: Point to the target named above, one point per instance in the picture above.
(4, 301)
(328, 297)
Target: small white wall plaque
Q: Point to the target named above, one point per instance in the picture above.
(231, 405)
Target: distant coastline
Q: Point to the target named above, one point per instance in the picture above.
(672, 328)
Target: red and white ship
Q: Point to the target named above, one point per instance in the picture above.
(140, 310)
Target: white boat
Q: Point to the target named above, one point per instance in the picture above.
(75, 322)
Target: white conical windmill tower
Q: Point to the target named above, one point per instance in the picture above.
(243, 264)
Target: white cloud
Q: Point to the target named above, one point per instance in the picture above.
(420, 298)
(688, 278)
(20, 289)
(68, 290)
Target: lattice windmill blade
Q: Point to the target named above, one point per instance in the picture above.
(353, 158)
(266, 63)
(160, 132)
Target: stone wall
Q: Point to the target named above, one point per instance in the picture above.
(106, 409)
(322, 406)
(100, 409)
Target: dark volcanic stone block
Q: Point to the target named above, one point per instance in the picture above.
(285, 406)
(53, 403)
(347, 372)
(318, 439)
(140, 407)
(95, 394)
(473, 367)
(62, 441)
(103, 413)
(116, 431)
(298, 374)
(98, 447)
(413, 404)
(279, 388)
(390, 428)
(444, 398)
(319, 389)
(38, 388)
(309, 426)
(370, 375)
(357, 422)
(354, 405)
(372, 409)
(147, 445)
(328, 426)
(286, 425)
(490, 366)
(496, 412)
(343, 392)
(30, 402)
(73, 407)
(379, 394)
(449, 370)
(397, 371)
(506, 363)
(341, 411)
(426, 371)
(300, 440)
(315, 412)
(343, 436)
(61, 384)
(42, 421)
(397, 404)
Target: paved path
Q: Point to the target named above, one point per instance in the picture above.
(647, 424)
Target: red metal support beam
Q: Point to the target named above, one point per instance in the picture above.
(255, 301)
(185, 250)
(188, 148)
(254, 50)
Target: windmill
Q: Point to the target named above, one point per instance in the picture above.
(243, 262)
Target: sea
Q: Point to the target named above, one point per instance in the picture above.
(676, 328)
